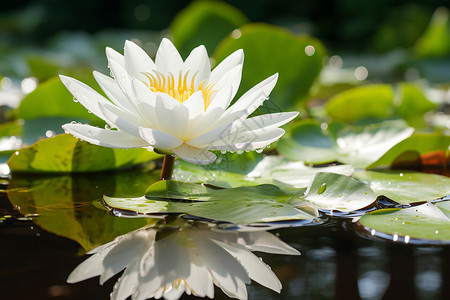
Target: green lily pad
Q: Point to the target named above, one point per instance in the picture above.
(52, 99)
(358, 146)
(204, 23)
(331, 191)
(413, 105)
(63, 204)
(252, 169)
(407, 152)
(428, 222)
(406, 186)
(263, 203)
(364, 102)
(65, 153)
(269, 50)
(435, 41)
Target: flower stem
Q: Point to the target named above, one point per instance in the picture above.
(167, 168)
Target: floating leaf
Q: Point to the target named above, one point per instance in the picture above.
(435, 42)
(204, 23)
(413, 105)
(358, 146)
(405, 186)
(263, 203)
(269, 50)
(65, 153)
(52, 99)
(331, 191)
(429, 222)
(249, 170)
(359, 103)
(63, 204)
(407, 153)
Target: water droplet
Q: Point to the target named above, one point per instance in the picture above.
(395, 237)
(259, 150)
(322, 188)
(407, 238)
(436, 232)
(223, 152)
(75, 99)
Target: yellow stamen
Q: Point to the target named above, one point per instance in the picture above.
(185, 87)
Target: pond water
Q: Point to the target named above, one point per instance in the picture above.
(337, 261)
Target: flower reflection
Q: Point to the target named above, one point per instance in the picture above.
(189, 257)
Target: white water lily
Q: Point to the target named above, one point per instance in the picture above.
(189, 260)
(175, 106)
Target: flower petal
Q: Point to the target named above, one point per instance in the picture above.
(173, 116)
(195, 105)
(121, 119)
(159, 139)
(113, 91)
(229, 274)
(167, 58)
(231, 78)
(126, 286)
(198, 64)
(146, 103)
(85, 95)
(221, 99)
(128, 247)
(234, 59)
(123, 79)
(202, 123)
(112, 54)
(254, 97)
(91, 267)
(256, 269)
(264, 241)
(137, 61)
(216, 134)
(268, 121)
(194, 155)
(104, 137)
(248, 140)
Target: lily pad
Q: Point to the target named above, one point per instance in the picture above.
(406, 186)
(407, 153)
(268, 50)
(250, 169)
(204, 23)
(243, 205)
(331, 191)
(358, 146)
(422, 224)
(65, 153)
(359, 103)
(52, 99)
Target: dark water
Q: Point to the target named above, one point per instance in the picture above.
(337, 262)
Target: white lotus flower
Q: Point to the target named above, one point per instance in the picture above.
(176, 107)
(189, 260)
